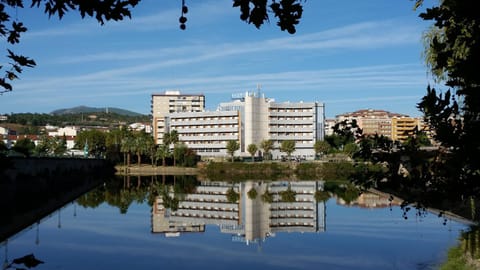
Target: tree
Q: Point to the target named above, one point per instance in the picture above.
(252, 149)
(288, 147)
(350, 149)
(24, 146)
(127, 148)
(169, 139)
(162, 153)
(288, 12)
(267, 146)
(232, 146)
(95, 139)
(321, 147)
(232, 195)
(142, 143)
(452, 52)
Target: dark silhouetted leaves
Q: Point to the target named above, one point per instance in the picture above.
(288, 12)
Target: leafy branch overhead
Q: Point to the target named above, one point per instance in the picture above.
(288, 12)
(11, 28)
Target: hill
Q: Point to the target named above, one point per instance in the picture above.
(85, 109)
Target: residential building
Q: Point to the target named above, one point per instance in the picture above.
(207, 133)
(248, 118)
(403, 127)
(171, 102)
(396, 126)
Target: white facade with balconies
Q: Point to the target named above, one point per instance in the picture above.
(249, 118)
(207, 133)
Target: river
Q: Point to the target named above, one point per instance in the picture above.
(182, 223)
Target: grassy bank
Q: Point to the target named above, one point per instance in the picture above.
(238, 171)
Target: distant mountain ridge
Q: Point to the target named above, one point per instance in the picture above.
(86, 109)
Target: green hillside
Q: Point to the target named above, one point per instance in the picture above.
(86, 109)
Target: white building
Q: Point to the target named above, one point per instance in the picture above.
(206, 132)
(171, 102)
(249, 118)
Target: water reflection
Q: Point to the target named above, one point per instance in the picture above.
(182, 223)
(248, 219)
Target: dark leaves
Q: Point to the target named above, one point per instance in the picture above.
(21, 60)
(288, 12)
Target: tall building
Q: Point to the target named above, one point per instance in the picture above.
(171, 102)
(249, 118)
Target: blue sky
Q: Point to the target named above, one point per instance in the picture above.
(348, 54)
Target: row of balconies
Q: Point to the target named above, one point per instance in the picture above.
(208, 130)
(213, 138)
(292, 224)
(194, 121)
(208, 216)
(186, 207)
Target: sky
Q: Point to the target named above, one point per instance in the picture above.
(347, 54)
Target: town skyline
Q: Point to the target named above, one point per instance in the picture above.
(350, 56)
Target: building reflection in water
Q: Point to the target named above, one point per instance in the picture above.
(247, 220)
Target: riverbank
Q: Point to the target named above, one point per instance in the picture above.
(144, 169)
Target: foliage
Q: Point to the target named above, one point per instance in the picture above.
(321, 147)
(24, 146)
(184, 156)
(267, 146)
(288, 195)
(288, 147)
(100, 10)
(51, 146)
(267, 196)
(252, 193)
(350, 149)
(162, 153)
(32, 121)
(466, 255)
(231, 147)
(232, 195)
(236, 171)
(252, 149)
(288, 12)
(321, 196)
(94, 140)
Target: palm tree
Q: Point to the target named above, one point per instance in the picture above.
(141, 146)
(127, 147)
(232, 146)
(252, 149)
(267, 146)
(162, 153)
(169, 139)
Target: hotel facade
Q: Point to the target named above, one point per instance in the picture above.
(248, 118)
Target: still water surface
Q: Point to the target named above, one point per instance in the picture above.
(369, 233)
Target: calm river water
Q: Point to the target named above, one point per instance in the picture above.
(150, 225)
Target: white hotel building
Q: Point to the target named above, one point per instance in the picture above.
(249, 118)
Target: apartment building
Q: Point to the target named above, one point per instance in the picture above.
(403, 127)
(171, 102)
(396, 126)
(207, 133)
(248, 118)
(264, 119)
